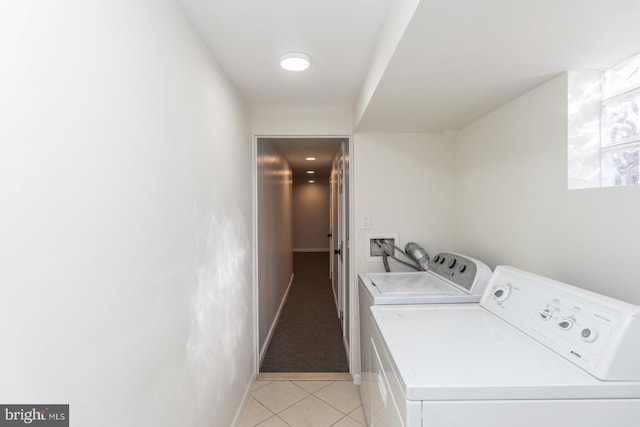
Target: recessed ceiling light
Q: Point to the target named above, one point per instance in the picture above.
(311, 181)
(310, 158)
(311, 171)
(295, 61)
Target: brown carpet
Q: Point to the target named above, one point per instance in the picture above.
(308, 336)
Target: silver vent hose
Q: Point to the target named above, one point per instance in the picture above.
(416, 252)
(422, 261)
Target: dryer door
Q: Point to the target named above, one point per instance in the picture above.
(384, 412)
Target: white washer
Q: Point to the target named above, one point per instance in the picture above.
(451, 278)
(534, 352)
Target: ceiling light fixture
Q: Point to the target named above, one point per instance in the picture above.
(310, 158)
(295, 61)
(311, 181)
(311, 171)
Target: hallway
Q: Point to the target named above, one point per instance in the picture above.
(308, 337)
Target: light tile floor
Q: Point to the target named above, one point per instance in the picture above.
(303, 402)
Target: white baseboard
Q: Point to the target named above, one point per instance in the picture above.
(243, 404)
(311, 250)
(272, 329)
(346, 348)
(357, 380)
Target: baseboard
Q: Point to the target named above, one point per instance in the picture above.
(243, 404)
(357, 380)
(311, 250)
(272, 329)
(346, 348)
(354, 376)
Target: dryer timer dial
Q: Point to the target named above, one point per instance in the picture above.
(501, 292)
(566, 323)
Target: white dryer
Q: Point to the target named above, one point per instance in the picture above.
(534, 352)
(450, 278)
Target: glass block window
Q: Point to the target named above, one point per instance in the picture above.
(620, 123)
(604, 126)
(620, 165)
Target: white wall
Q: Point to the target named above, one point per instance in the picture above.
(303, 121)
(125, 249)
(275, 236)
(311, 216)
(512, 205)
(404, 183)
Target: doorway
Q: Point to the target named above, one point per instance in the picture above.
(297, 227)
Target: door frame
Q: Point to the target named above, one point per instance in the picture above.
(339, 215)
(349, 347)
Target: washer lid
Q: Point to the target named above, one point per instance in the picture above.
(463, 352)
(413, 288)
(404, 283)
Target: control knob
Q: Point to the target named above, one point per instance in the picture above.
(452, 263)
(462, 268)
(501, 292)
(566, 323)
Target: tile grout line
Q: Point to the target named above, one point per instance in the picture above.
(262, 405)
(322, 388)
(274, 414)
(345, 417)
(293, 404)
(337, 409)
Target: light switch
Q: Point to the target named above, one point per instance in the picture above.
(365, 222)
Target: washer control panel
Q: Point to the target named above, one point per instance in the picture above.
(584, 328)
(597, 333)
(465, 272)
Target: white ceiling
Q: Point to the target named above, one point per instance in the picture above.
(296, 150)
(248, 36)
(459, 60)
(456, 61)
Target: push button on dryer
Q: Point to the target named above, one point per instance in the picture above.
(589, 335)
(546, 314)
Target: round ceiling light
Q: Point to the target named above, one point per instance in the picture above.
(295, 61)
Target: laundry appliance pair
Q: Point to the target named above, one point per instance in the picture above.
(531, 352)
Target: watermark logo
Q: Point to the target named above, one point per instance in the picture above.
(35, 415)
